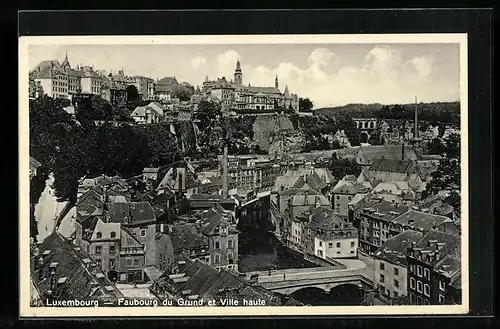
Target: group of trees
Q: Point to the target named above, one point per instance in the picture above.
(434, 113)
(340, 167)
(447, 176)
(73, 149)
(305, 105)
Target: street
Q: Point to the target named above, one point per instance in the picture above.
(46, 210)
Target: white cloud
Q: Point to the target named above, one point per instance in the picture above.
(384, 77)
(226, 63)
(198, 62)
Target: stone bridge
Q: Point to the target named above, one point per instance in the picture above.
(354, 272)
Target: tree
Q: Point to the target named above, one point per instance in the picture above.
(436, 146)
(455, 200)
(452, 147)
(182, 93)
(347, 124)
(376, 138)
(207, 113)
(132, 93)
(305, 105)
(340, 167)
(446, 177)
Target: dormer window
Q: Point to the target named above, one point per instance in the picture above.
(99, 235)
(112, 235)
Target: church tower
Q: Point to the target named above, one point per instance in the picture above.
(238, 75)
(276, 85)
(65, 63)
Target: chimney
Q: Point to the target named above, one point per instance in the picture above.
(225, 173)
(416, 118)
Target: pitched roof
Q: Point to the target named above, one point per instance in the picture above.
(216, 217)
(139, 111)
(329, 221)
(81, 282)
(206, 282)
(106, 229)
(350, 187)
(422, 221)
(393, 165)
(394, 249)
(157, 107)
(383, 209)
(386, 151)
(308, 199)
(132, 213)
(186, 236)
(443, 242)
(34, 163)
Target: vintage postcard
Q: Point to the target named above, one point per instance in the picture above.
(243, 175)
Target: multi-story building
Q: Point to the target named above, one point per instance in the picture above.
(219, 226)
(292, 227)
(329, 236)
(434, 269)
(344, 192)
(233, 95)
(52, 79)
(186, 240)
(164, 88)
(373, 219)
(390, 265)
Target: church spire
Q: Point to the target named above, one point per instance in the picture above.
(276, 82)
(286, 93)
(238, 75)
(65, 63)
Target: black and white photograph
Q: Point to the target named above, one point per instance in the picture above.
(226, 175)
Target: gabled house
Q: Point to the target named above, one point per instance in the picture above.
(34, 165)
(62, 271)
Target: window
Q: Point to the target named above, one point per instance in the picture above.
(396, 271)
(412, 268)
(112, 250)
(395, 293)
(441, 299)
(338, 197)
(338, 205)
(136, 261)
(99, 235)
(129, 262)
(352, 242)
(419, 270)
(419, 300)
(427, 290)
(98, 250)
(217, 245)
(352, 251)
(442, 285)
(321, 244)
(111, 263)
(413, 299)
(217, 258)
(330, 245)
(338, 252)
(230, 258)
(396, 283)
(112, 235)
(338, 244)
(427, 274)
(382, 266)
(349, 198)
(143, 233)
(412, 283)
(143, 246)
(230, 244)
(419, 286)
(382, 278)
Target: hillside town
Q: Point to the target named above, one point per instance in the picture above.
(377, 222)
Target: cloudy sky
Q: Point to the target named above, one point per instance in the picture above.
(329, 74)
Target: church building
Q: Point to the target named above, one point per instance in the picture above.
(235, 96)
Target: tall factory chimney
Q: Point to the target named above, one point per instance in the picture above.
(416, 119)
(225, 188)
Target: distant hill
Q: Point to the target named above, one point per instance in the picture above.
(440, 112)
